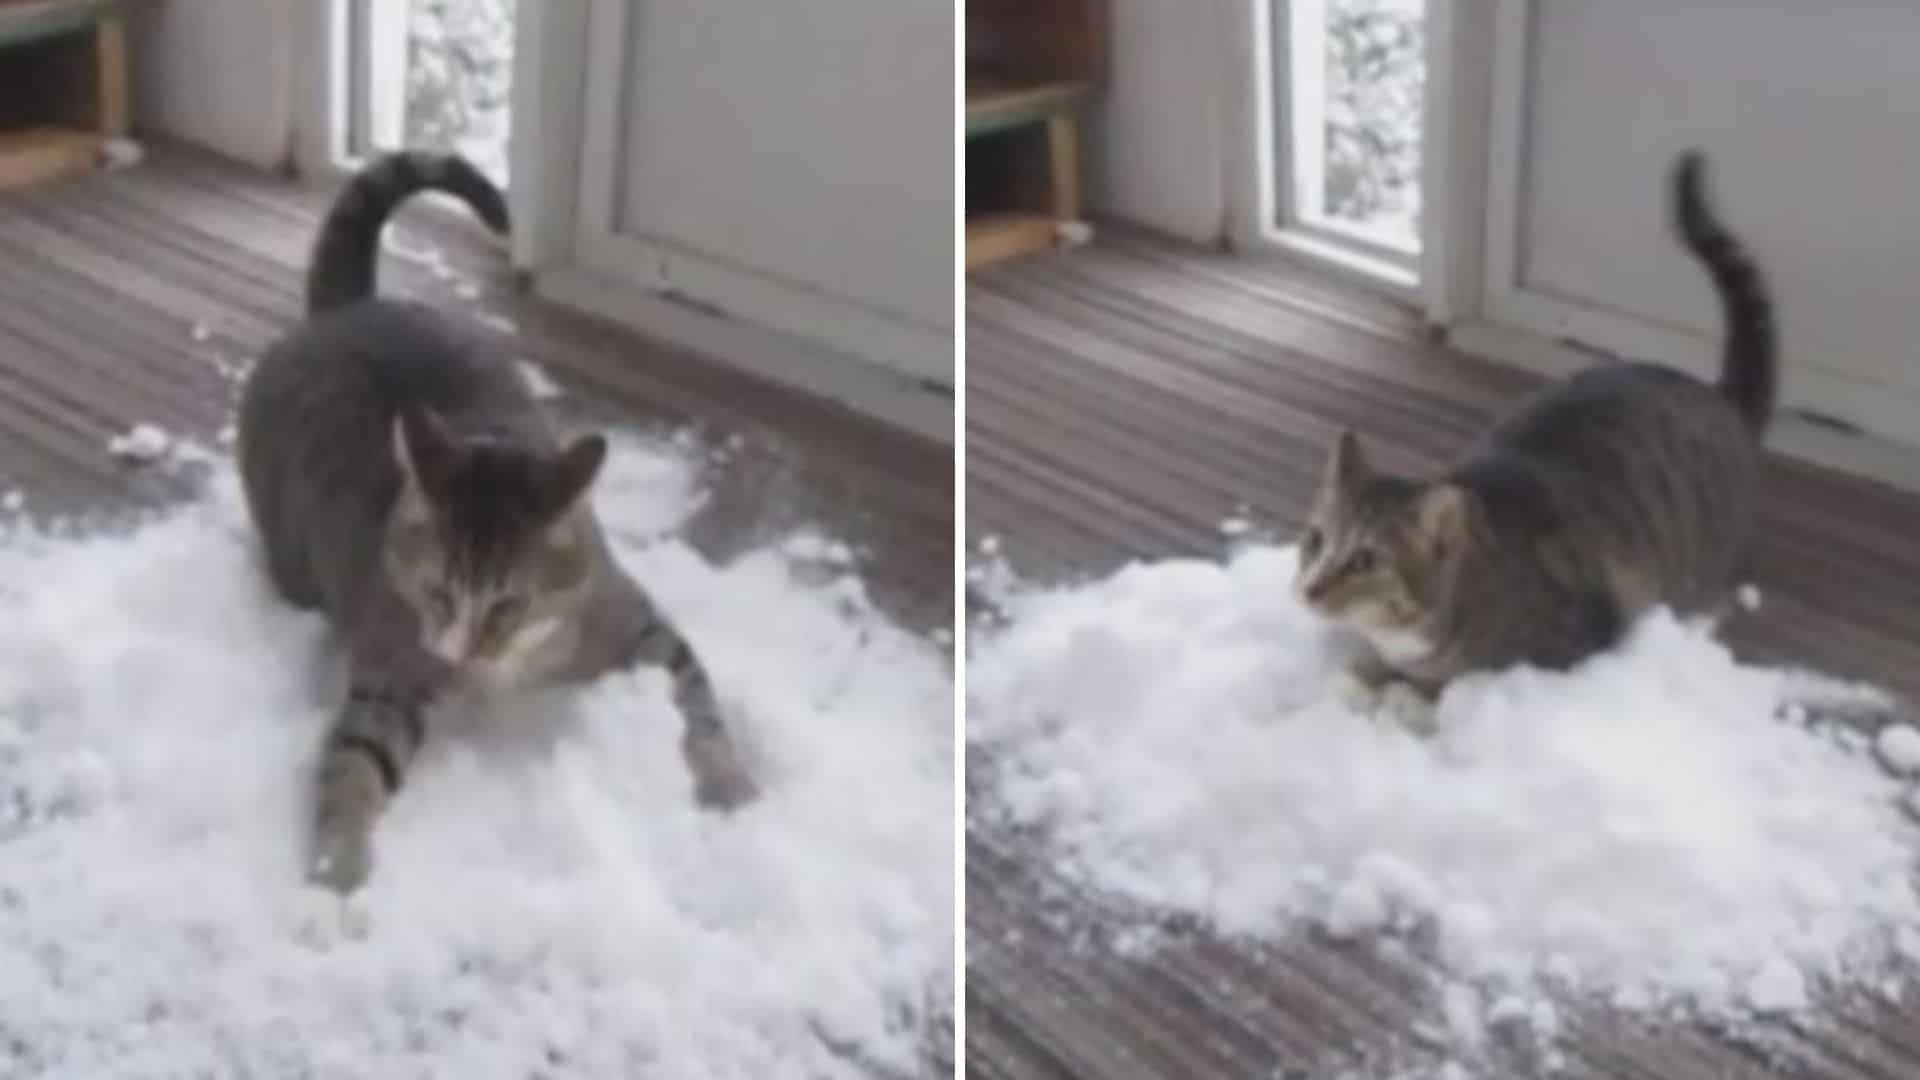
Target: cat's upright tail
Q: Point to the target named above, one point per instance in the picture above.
(348, 248)
(1749, 371)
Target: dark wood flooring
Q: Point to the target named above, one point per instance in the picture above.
(121, 294)
(1121, 401)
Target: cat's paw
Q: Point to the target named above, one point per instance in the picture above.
(341, 858)
(322, 919)
(720, 780)
(726, 792)
(1354, 692)
(1409, 709)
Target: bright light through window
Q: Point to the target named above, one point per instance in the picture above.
(1356, 72)
(435, 74)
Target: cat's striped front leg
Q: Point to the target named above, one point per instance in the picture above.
(362, 762)
(720, 780)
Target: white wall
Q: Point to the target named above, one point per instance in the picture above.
(1157, 152)
(216, 73)
(1806, 114)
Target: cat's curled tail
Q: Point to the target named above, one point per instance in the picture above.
(348, 248)
(1749, 372)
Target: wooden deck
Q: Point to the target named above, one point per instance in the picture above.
(1121, 401)
(120, 294)
(119, 291)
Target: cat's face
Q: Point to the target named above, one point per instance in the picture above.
(1377, 548)
(489, 544)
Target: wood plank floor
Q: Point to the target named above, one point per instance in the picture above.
(1125, 398)
(122, 294)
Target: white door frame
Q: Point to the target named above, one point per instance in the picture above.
(1506, 299)
(655, 265)
(1257, 52)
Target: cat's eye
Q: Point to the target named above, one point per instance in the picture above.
(506, 610)
(1362, 560)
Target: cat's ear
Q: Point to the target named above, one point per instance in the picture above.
(1443, 514)
(425, 448)
(574, 468)
(1347, 466)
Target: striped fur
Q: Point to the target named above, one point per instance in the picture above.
(347, 252)
(1749, 374)
(1625, 487)
(405, 482)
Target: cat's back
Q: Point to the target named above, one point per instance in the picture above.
(1622, 409)
(391, 355)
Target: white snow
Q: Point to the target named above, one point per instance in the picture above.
(539, 383)
(811, 547)
(547, 899)
(142, 442)
(498, 323)
(1465, 1020)
(1073, 234)
(233, 369)
(1235, 526)
(1645, 828)
(120, 153)
(13, 501)
(1748, 596)
(1899, 748)
(200, 331)
(1777, 987)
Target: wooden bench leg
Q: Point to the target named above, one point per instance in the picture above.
(1063, 152)
(110, 74)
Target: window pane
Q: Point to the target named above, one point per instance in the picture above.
(1375, 81)
(459, 79)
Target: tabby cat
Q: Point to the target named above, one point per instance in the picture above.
(405, 483)
(1625, 487)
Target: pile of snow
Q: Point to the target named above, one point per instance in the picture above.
(811, 547)
(1652, 828)
(539, 383)
(141, 443)
(120, 153)
(547, 900)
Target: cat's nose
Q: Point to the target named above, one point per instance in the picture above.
(453, 643)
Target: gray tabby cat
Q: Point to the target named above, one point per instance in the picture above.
(1626, 487)
(405, 483)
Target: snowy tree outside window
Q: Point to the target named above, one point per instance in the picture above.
(459, 79)
(1376, 83)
